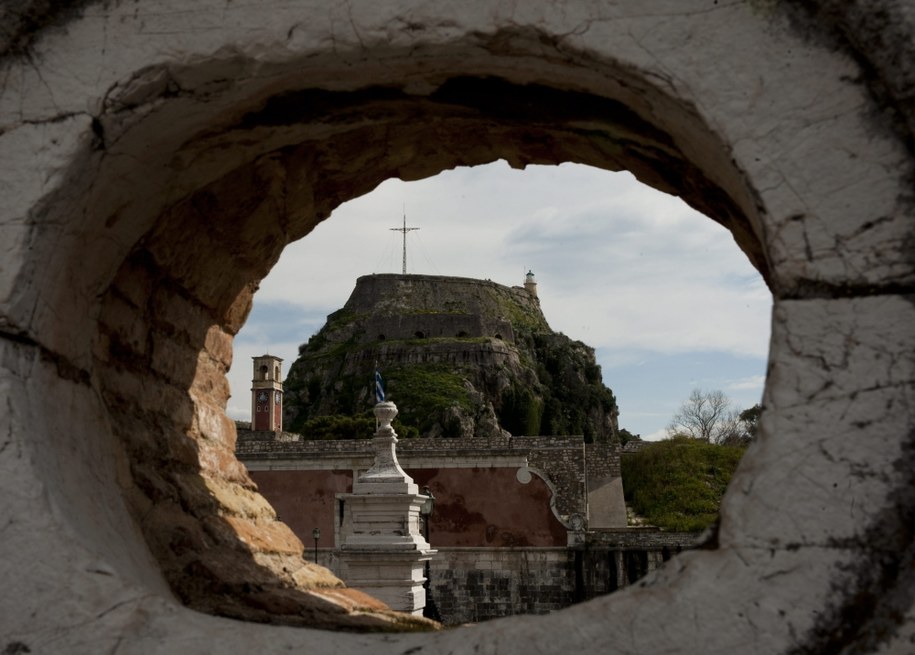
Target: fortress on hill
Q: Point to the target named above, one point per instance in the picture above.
(514, 434)
(460, 357)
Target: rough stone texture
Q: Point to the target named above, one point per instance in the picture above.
(468, 585)
(155, 157)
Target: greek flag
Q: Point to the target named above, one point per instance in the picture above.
(379, 388)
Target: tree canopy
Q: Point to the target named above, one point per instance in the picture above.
(677, 484)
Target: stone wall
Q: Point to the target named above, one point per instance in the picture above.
(156, 156)
(501, 550)
(469, 585)
(472, 585)
(479, 584)
(566, 463)
(465, 514)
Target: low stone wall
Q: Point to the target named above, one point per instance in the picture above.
(642, 538)
(569, 464)
(469, 585)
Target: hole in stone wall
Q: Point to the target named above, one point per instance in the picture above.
(169, 316)
(172, 433)
(661, 292)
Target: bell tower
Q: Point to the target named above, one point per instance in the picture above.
(267, 394)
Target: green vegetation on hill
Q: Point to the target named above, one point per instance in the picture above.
(677, 484)
(460, 357)
(426, 391)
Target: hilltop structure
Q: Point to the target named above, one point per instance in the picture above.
(462, 357)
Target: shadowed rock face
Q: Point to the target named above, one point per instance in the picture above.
(155, 157)
(463, 358)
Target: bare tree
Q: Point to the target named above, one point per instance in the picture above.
(707, 415)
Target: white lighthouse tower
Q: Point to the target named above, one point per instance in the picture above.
(530, 284)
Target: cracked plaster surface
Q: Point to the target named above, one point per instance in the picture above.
(120, 111)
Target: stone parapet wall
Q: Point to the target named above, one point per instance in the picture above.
(254, 444)
(463, 296)
(437, 325)
(469, 585)
(565, 461)
(603, 460)
(642, 539)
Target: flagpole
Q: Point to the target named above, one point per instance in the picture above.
(378, 389)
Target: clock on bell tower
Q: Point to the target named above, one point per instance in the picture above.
(267, 394)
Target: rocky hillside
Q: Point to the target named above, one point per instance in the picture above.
(460, 357)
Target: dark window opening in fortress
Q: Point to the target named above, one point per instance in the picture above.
(636, 565)
(612, 572)
(657, 296)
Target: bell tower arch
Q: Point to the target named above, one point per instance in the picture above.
(267, 394)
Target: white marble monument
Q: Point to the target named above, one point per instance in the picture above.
(380, 545)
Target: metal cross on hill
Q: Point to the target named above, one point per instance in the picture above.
(404, 230)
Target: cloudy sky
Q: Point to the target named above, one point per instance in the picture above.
(661, 292)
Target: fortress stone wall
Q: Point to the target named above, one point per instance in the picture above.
(518, 521)
(430, 306)
(474, 584)
(565, 469)
(505, 536)
(156, 156)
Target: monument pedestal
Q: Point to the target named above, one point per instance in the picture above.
(380, 545)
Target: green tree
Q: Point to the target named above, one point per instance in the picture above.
(747, 424)
(677, 484)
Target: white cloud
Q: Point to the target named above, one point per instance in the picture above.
(657, 435)
(752, 383)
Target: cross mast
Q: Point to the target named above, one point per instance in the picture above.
(404, 231)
